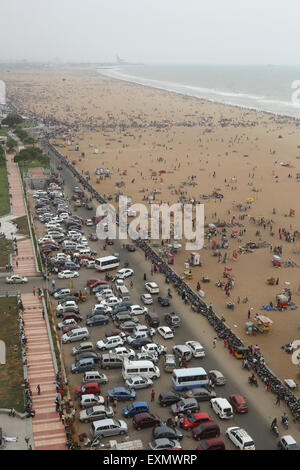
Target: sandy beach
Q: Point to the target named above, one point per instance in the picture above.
(154, 142)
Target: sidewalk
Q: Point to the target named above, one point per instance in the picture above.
(48, 430)
(25, 259)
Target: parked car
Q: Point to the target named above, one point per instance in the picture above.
(88, 388)
(152, 287)
(135, 408)
(194, 419)
(146, 299)
(172, 319)
(88, 355)
(110, 342)
(184, 405)
(214, 443)
(83, 347)
(124, 273)
(238, 403)
(138, 382)
(165, 332)
(88, 400)
(240, 438)
(200, 394)
(287, 443)
(196, 348)
(139, 342)
(96, 413)
(169, 398)
(123, 352)
(97, 320)
(145, 420)
(168, 432)
(121, 393)
(138, 310)
(108, 427)
(217, 377)
(163, 301)
(67, 274)
(164, 444)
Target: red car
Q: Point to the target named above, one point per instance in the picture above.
(91, 281)
(98, 283)
(109, 241)
(238, 403)
(145, 420)
(215, 443)
(68, 328)
(194, 420)
(116, 332)
(88, 388)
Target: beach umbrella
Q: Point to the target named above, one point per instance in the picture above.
(277, 258)
(249, 199)
(228, 268)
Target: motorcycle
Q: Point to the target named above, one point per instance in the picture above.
(246, 365)
(252, 381)
(275, 430)
(285, 422)
(219, 284)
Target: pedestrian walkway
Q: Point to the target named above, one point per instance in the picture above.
(48, 430)
(24, 262)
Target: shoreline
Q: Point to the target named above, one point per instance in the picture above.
(209, 100)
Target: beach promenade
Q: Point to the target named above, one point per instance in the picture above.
(23, 263)
(48, 430)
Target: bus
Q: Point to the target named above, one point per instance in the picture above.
(108, 262)
(192, 377)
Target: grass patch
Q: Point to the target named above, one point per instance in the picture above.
(3, 132)
(4, 194)
(25, 166)
(22, 223)
(11, 373)
(5, 249)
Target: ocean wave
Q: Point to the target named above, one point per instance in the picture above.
(231, 98)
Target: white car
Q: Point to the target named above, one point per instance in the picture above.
(53, 225)
(196, 348)
(165, 332)
(104, 294)
(90, 264)
(152, 287)
(137, 382)
(110, 302)
(67, 323)
(69, 303)
(240, 438)
(45, 239)
(67, 274)
(123, 352)
(84, 241)
(89, 223)
(125, 272)
(153, 348)
(16, 279)
(39, 193)
(110, 342)
(147, 299)
(138, 310)
(90, 399)
(62, 257)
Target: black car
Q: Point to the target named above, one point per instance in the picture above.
(121, 307)
(87, 355)
(130, 247)
(159, 432)
(201, 394)
(163, 301)
(96, 320)
(169, 398)
(139, 342)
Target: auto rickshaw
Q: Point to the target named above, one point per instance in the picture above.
(79, 296)
(241, 352)
(263, 323)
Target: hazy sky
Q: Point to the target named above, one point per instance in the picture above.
(151, 31)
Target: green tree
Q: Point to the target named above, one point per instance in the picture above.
(2, 154)
(11, 144)
(12, 120)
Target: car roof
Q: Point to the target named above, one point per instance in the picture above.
(289, 439)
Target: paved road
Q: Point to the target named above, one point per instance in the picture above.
(261, 404)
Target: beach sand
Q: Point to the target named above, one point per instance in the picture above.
(139, 131)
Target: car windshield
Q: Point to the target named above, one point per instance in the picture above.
(204, 445)
(89, 411)
(116, 422)
(249, 444)
(130, 407)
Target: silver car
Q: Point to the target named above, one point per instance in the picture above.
(108, 427)
(96, 413)
(137, 382)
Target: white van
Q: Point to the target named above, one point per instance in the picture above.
(78, 334)
(143, 368)
(124, 293)
(222, 408)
